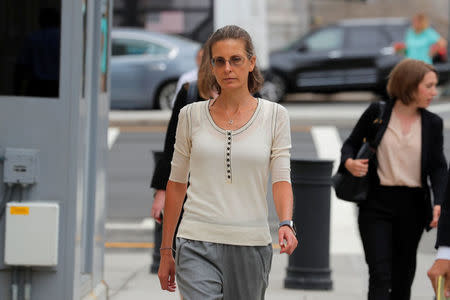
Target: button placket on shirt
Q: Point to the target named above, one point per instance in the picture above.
(228, 157)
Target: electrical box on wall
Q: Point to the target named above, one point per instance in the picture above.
(20, 166)
(31, 234)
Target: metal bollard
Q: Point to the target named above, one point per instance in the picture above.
(309, 265)
(158, 229)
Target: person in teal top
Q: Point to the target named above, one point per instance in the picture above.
(420, 38)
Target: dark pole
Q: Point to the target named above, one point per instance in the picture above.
(309, 265)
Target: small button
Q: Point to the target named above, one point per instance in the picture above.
(229, 143)
(228, 148)
(228, 159)
(229, 176)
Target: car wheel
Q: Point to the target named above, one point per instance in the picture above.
(274, 88)
(165, 96)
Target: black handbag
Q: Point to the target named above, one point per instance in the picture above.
(349, 187)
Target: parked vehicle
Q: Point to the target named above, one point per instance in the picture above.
(350, 55)
(145, 67)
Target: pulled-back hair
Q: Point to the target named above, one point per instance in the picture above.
(255, 79)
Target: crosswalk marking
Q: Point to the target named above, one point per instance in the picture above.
(113, 133)
(344, 236)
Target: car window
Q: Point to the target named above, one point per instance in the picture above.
(368, 37)
(397, 32)
(137, 47)
(326, 39)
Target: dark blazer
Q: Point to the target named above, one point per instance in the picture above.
(443, 235)
(433, 166)
(162, 170)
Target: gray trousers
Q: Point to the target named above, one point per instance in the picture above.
(211, 271)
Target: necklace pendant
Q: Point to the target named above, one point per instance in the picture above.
(230, 122)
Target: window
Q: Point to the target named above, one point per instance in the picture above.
(396, 32)
(30, 52)
(136, 47)
(327, 39)
(368, 37)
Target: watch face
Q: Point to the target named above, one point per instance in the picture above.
(289, 223)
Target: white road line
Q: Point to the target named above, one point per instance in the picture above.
(145, 224)
(344, 236)
(113, 133)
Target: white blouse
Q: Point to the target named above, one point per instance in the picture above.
(228, 172)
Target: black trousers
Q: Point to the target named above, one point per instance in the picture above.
(391, 224)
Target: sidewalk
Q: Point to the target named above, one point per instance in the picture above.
(127, 274)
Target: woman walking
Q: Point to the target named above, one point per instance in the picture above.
(409, 154)
(227, 147)
(422, 41)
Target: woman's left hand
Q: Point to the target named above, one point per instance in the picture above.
(287, 240)
(436, 215)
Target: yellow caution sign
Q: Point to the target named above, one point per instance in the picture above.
(20, 210)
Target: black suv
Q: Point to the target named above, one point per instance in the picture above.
(351, 55)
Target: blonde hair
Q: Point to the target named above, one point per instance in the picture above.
(422, 21)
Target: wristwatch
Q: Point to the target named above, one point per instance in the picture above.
(289, 223)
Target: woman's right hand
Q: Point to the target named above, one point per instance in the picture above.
(158, 204)
(357, 167)
(166, 271)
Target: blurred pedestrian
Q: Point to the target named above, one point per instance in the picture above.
(441, 266)
(189, 76)
(422, 41)
(399, 207)
(227, 147)
(199, 91)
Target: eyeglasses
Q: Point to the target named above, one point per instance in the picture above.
(234, 61)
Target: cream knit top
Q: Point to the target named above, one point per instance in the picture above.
(228, 173)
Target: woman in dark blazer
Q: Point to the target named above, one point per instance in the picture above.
(409, 154)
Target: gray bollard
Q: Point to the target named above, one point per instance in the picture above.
(309, 265)
(158, 229)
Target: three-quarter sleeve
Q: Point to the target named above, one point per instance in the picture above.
(280, 157)
(182, 148)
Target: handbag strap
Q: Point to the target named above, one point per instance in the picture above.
(379, 135)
